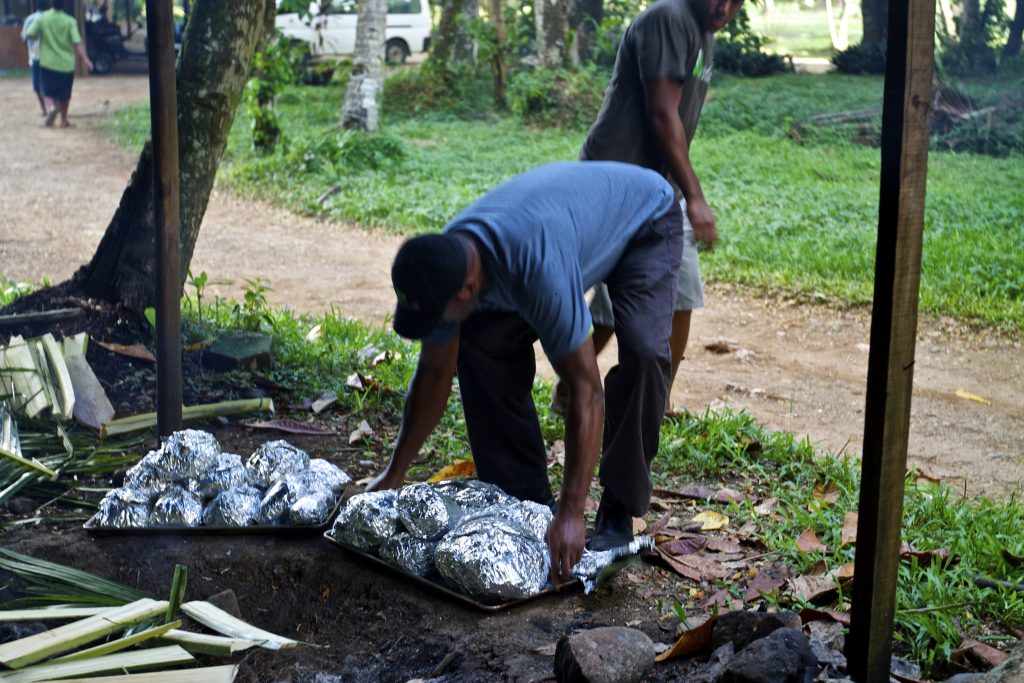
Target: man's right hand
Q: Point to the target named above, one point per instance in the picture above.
(703, 222)
(566, 537)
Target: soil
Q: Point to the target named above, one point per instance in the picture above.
(797, 366)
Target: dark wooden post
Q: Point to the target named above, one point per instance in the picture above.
(163, 102)
(905, 118)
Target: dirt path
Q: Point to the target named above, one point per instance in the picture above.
(797, 367)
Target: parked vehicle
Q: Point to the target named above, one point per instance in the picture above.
(107, 43)
(333, 34)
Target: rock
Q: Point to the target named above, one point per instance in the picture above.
(742, 628)
(22, 506)
(1011, 670)
(239, 351)
(715, 666)
(784, 656)
(227, 601)
(609, 654)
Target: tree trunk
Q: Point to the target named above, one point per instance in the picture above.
(441, 48)
(211, 75)
(496, 10)
(552, 18)
(591, 12)
(465, 46)
(1013, 42)
(362, 98)
(876, 22)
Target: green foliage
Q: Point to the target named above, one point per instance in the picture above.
(281, 62)
(565, 98)
(861, 59)
(457, 91)
(974, 50)
(739, 50)
(253, 310)
(11, 290)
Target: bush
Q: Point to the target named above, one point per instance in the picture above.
(861, 59)
(345, 152)
(557, 98)
(738, 50)
(458, 91)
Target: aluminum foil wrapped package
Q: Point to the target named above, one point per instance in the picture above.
(492, 563)
(234, 507)
(146, 477)
(273, 507)
(309, 482)
(275, 460)
(592, 562)
(176, 507)
(330, 474)
(514, 516)
(410, 554)
(187, 454)
(311, 509)
(367, 519)
(123, 508)
(473, 494)
(426, 512)
(534, 517)
(227, 473)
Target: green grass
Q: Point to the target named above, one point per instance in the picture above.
(800, 31)
(795, 218)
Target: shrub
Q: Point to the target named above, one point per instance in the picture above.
(459, 91)
(557, 98)
(738, 50)
(861, 59)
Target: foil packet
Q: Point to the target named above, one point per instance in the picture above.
(146, 478)
(472, 494)
(514, 517)
(367, 520)
(187, 454)
(491, 563)
(274, 505)
(122, 509)
(176, 507)
(311, 509)
(275, 460)
(410, 554)
(227, 472)
(426, 512)
(593, 562)
(329, 474)
(234, 507)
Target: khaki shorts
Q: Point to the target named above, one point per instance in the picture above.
(689, 288)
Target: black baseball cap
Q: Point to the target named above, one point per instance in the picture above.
(427, 272)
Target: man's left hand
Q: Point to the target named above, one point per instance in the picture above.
(566, 537)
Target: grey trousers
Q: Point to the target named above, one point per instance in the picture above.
(496, 368)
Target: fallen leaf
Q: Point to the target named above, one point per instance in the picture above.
(662, 523)
(831, 634)
(809, 615)
(978, 653)
(557, 454)
(817, 589)
(843, 572)
(694, 567)
(711, 520)
(684, 546)
(361, 433)
(327, 399)
(354, 381)
(924, 557)
(382, 357)
(720, 347)
(766, 506)
(727, 495)
(695, 491)
(770, 578)
(825, 492)
(693, 641)
(972, 397)
(720, 598)
(290, 427)
(849, 530)
(458, 470)
(723, 545)
(136, 351)
(809, 543)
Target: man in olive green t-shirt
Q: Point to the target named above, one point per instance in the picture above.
(59, 41)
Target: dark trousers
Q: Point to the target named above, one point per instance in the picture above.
(496, 368)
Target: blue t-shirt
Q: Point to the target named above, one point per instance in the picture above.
(551, 234)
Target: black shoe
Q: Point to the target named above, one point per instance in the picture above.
(614, 526)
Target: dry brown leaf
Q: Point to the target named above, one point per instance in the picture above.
(766, 506)
(809, 543)
(639, 525)
(691, 642)
(817, 589)
(849, 531)
(458, 470)
(136, 351)
(769, 578)
(557, 454)
(925, 557)
(694, 567)
(979, 654)
(808, 615)
(843, 572)
(362, 432)
(826, 493)
(711, 520)
(685, 546)
(972, 397)
(723, 545)
(662, 523)
(291, 427)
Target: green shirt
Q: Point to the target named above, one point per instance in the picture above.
(58, 35)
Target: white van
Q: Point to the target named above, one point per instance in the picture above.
(334, 34)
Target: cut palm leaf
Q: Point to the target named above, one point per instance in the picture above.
(206, 644)
(119, 644)
(220, 621)
(56, 613)
(121, 661)
(49, 579)
(208, 674)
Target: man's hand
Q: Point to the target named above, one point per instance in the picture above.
(566, 536)
(703, 222)
(386, 480)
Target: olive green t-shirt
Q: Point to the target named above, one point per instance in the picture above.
(664, 41)
(58, 35)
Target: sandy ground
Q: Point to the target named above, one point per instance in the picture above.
(798, 367)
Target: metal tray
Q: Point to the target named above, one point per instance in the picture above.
(439, 586)
(274, 529)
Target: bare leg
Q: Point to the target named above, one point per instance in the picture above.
(64, 113)
(677, 342)
(42, 103)
(52, 109)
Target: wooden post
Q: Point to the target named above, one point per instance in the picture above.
(905, 119)
(164, 125)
